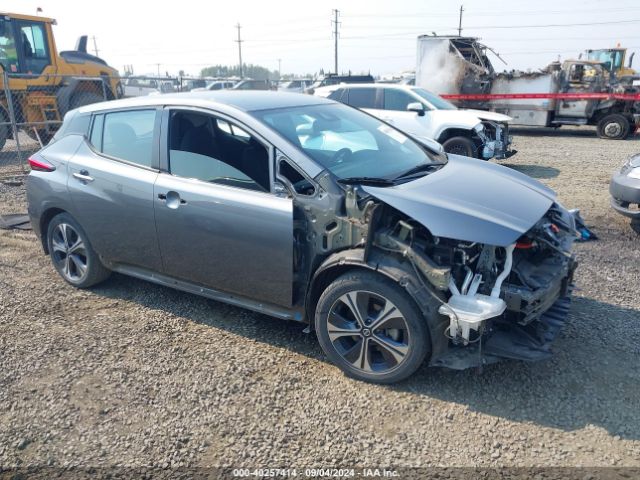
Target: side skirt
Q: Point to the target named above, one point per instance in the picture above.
(237, 300)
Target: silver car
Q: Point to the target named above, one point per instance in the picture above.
(310, 210)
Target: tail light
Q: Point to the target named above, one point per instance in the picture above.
(41, 165)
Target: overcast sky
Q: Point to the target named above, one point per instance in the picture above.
(374, 36)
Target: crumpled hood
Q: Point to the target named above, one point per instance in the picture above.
(471, 200)
(491, 116)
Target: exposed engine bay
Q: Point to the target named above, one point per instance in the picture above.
(492, 302)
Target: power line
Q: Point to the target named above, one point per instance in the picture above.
(555, 25)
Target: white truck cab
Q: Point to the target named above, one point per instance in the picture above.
(414, 110)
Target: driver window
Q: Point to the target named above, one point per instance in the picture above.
(213, 150)
(397, 99)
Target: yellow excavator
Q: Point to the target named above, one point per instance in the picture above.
(45, 84)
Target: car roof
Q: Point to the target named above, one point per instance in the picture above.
(238, 100)
(374, 85)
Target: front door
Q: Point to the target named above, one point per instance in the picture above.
(218, 222)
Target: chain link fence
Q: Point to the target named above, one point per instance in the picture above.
(32, 108)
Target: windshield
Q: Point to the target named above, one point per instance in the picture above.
(347, 142)
(612, 59)
(438, 103)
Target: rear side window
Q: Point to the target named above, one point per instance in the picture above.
(96, 132)
(362, 97)
(125, 135)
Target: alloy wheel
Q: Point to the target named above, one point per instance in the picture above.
(368, 331)
(69, 253)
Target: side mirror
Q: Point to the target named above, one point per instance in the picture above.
(279, 189)
(416, 107)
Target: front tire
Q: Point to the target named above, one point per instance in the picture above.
(460, 146)
(72, 254)
(369, 327)
(635, 225)
(613, 127)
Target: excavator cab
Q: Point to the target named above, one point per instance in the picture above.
(45, 84)
(613, 60)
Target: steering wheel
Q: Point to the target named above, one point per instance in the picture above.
(341, 155)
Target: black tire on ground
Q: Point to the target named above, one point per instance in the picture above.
(80, 99)
(460, 146)
(635, 225)
(613, 127)
(344, 339)
(68, 264)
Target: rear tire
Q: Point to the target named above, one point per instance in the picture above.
(460, 146)
(72, 254)
(613, 127)
(369, 327)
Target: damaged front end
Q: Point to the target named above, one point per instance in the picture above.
(511, 302)
(496, 141)
(494, 302)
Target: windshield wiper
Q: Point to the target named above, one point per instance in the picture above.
(423, 167)
(366, 181)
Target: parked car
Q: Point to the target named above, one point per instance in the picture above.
(217, 85)
(625, 191)
(333, 79)
(189, 84)
(249, 84)
(472, 133)
(306, 209)
(141, 86)
(294, 86)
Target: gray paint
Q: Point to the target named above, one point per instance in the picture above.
(116, 208)
(226, 238)
(471, 201)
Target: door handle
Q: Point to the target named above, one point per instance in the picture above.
(172, 199)
(83, 176)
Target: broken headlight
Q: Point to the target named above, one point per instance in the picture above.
(632, 167)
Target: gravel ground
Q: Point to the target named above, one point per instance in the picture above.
(131, 374)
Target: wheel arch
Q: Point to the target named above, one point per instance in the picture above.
(45, 220)
(390, 267)
(449, 132)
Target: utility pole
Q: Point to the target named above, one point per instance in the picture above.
(95, 45)
(279, 66)
(460, 21)
(335, 36)
(158, 65)
(239, 49)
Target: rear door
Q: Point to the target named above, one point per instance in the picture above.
(219, 222)
(110, 181)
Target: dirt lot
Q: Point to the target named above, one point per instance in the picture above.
(131, 373)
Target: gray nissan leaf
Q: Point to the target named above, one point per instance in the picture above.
(305, 209)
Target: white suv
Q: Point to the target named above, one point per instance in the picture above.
(472, 133)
